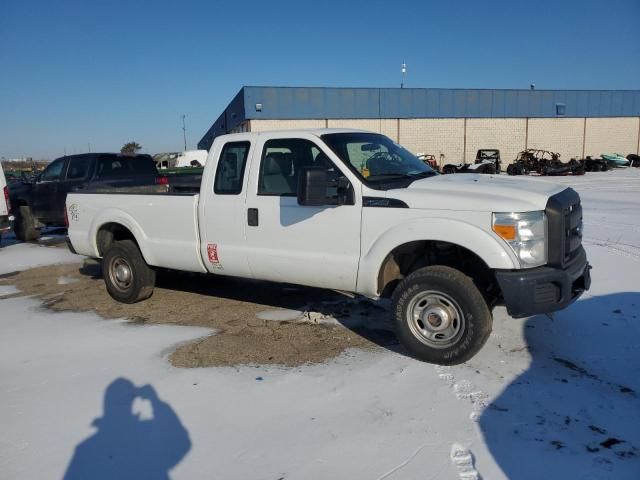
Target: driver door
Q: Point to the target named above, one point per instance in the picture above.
(308, 245)
(45, 191)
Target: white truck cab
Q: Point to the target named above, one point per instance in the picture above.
(351, 210)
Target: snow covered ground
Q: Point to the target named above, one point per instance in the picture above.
(544, 399)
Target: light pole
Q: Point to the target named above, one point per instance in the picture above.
(184, 133)
(403, 69)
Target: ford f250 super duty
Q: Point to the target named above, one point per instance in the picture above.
(352, 211)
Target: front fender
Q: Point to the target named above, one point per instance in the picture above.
(488, 246)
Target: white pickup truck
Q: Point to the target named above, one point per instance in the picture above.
(352, 211)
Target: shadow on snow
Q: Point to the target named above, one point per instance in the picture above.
(126, 445)
(575, 412)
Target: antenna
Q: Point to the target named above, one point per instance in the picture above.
(403, 70)
(184, 132)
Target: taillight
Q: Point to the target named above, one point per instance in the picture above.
(6, 198)
(66, 217)
(162, 180)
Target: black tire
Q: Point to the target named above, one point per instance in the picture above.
(127, 276)
(23, 226)
(454, 302)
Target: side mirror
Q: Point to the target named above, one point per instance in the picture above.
(312, 186)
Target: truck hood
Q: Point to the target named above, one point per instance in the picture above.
(475, 192)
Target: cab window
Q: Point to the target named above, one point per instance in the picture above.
(231, 166)
(78, 168)
(282, 161)
(53, 171)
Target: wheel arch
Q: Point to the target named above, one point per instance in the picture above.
(114, 225)
(405, 248)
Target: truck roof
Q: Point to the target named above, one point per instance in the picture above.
(297, 131)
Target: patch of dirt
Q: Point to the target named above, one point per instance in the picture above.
(329, 323)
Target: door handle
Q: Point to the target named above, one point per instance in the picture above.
(252, 217)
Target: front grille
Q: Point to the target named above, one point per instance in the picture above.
(564, 217)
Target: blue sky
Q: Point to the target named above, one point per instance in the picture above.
(102, 73)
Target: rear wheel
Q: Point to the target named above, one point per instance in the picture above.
(23, 226)
(127, 276)
(440, 316)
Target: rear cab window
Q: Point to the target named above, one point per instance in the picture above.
(230, 168)
(113, 166)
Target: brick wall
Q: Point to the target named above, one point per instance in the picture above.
(434, 136)
(611, 135)
(447, 136)
(562, 135)
(505, 134)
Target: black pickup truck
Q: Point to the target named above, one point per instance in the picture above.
(40, 201)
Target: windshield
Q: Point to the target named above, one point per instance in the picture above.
(376, 158)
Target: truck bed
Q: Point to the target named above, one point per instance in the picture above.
(165, 225)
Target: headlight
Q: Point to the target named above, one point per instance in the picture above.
(526, 235)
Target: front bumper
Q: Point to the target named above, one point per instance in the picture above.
(544, 289)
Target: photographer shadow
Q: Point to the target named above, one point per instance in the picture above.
(127, 446)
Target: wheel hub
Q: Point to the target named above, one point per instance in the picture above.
(123, 273)
(435, 319)
(438, 317)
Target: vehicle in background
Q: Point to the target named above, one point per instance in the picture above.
(185, 179)
(6, 217)
(594, 164)
(190, 158)
(615, 160)
(39, 201)
(352, 211)
(634, 160)
(485, 166)
(544, 162)
(429, 160)
(489, 154)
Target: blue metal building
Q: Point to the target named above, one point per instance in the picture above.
(291, 103)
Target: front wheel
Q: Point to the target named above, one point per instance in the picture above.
(440, 316)
(127, 276)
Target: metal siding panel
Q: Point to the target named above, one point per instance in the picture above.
(459, 109)
(446, 104)
(389, 103)
(582, 104)
(472, 108)
(498, 103)
(616, 104)
(433, 103)
(485, 98)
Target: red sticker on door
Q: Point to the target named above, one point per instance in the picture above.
(212, 252)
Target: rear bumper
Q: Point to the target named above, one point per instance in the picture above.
(544, 289)
(70, 245)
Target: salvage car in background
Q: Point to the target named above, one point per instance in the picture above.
(544, 162)
(615, 160)
(489, 154)
(39, 201)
